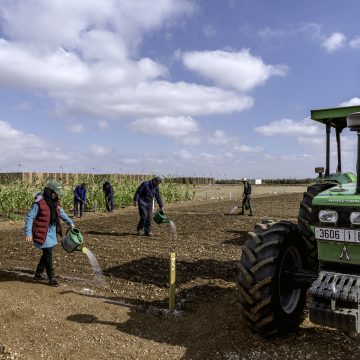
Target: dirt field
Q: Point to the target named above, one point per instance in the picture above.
(235, 191)
(129, 320)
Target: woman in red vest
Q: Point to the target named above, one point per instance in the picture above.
(42, 225)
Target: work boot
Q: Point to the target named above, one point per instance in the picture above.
(53, 282)
(148, 234)
(242, 213)
(39, 273)
(39, 276)
(138, 233)
(52, 277)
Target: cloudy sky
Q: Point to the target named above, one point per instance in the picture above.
(219, 88)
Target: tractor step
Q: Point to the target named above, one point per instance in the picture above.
(336, 301)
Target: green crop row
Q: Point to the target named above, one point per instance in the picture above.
(17, 196)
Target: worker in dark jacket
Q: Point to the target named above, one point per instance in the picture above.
(109, 196)
(144, 198)
(246, 203)
(79, 199)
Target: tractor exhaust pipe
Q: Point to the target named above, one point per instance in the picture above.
(353, 123)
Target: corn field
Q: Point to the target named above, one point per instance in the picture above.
(17, 196)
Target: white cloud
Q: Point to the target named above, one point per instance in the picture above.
(314, 29)
(26, 67)
(183, 154)
(102, 124)
(169, 126)
(126, 18)
(219, 137)
(130, 161)
(76, 128)
(18, 147)
(352, 102)
(90, 65)
(190, 140)
(246, 149)
(290, 127)
(156, 99)
(239, 70)
(99, 150)
(334, 42)
(206, 156)
(354, 43)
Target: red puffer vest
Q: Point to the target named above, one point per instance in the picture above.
(42, 222)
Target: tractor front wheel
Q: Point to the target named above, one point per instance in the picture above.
(271, 302)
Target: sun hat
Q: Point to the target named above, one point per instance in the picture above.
(244, 179)
(158, 179)
(56, 187)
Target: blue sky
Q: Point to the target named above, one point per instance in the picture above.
(218, 88)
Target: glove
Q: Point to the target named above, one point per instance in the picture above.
(72, 226)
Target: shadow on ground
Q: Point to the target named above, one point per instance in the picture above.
(109, 233)
(155, 267)
(25, 276)
(151, 321)
(239, 240)
(228, 337)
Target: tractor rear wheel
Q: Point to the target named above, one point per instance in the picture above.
(271, 303)
(304, 222)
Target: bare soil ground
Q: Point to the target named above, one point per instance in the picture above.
(129, 320)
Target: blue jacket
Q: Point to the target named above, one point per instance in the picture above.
(146, 192)
(79, 194)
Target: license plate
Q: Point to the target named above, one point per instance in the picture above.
(332, 234)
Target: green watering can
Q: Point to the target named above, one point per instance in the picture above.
(72, 241)
(160, 217)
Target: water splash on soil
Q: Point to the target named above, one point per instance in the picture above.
(99, 278)
(235, 208)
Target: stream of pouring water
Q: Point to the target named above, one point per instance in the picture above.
(173, 231)
(99, 277)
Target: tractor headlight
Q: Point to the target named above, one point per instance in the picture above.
(329, 216)
(355, 218)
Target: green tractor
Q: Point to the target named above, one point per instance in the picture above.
(281, 262)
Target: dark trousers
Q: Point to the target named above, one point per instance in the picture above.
(46, 263)
(76, 206)
(109, 202)
(246, 201)
(145, 212)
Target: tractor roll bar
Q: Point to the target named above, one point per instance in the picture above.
(338, 132)
(328, 131)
